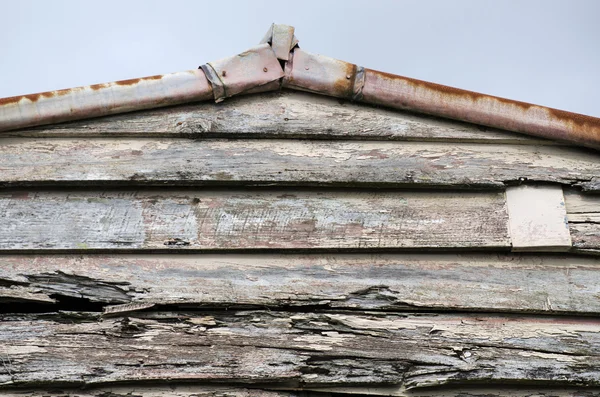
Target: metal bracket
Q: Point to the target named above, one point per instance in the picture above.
(255, 70)
(282, 40)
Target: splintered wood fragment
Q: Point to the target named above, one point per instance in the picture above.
(302, 349)
(538, 218)
(156, 162)
(126, 308)
(584, 221)
(204, 220)
(281, 115)
(487, 283)
(20, 294)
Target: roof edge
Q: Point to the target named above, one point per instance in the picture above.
(278, 62)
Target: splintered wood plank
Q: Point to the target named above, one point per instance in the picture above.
(487, 283)
(171, 390)
(453, 391)
(584, 221)
(281, 115)
(538, 218)
(302, 349)
(129, 162)
(184, 390)
(216, 220)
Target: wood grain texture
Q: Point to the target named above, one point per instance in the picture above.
(487, 283)
(288, 114)
(160, 162)
(584, 221)
(171, 390)
(305, 349)
(251, 219)
(184, 390)
(472, 391)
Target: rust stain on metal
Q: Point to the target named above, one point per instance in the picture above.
(136, 81)
(343, 86)
(440, 100)
(97, 87)
(30, 97)
(576, 118)
(47, 94)
(128, 82)
(444, 89)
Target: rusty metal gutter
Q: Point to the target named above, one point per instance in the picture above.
(324, 75)
(254, 70)
(103, 99)
(278, 62)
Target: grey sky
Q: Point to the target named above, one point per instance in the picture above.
(541, 51)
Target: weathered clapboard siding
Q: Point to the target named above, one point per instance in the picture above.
(173, 390)
(584, 221)
(308, 349)
(329, 322)
(450, 391)
(161, 391)
(488, 283)
(248, 220)
(281, 115)
(160, 162)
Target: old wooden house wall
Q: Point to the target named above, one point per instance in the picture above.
(288, 242)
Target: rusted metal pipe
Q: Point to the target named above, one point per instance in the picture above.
(103, 99)
(259, 70)
(324, 75)
(254, 70)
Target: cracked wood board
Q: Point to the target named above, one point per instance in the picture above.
(172, 162)
(218, 220)
(171, 390)
(584, 221)
(488, 283)
(287, 114)
(472, 391)
(182, 390)
(305, 349)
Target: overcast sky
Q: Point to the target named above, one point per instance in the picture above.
(541, 51)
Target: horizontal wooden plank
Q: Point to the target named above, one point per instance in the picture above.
(305, 349)
(160, 162)
(251, 219)
(584, 221)
(471, 391)
(183, 390)
(171, 390)
(488, 283)
(281, 115)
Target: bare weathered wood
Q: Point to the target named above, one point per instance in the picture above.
(584, 221)
(488, 283)
(592, 185)
(183, 390)
(90, 162)
(249, 220)
(472, 391)
(159, 391)
(308, 349)
(281, 115)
